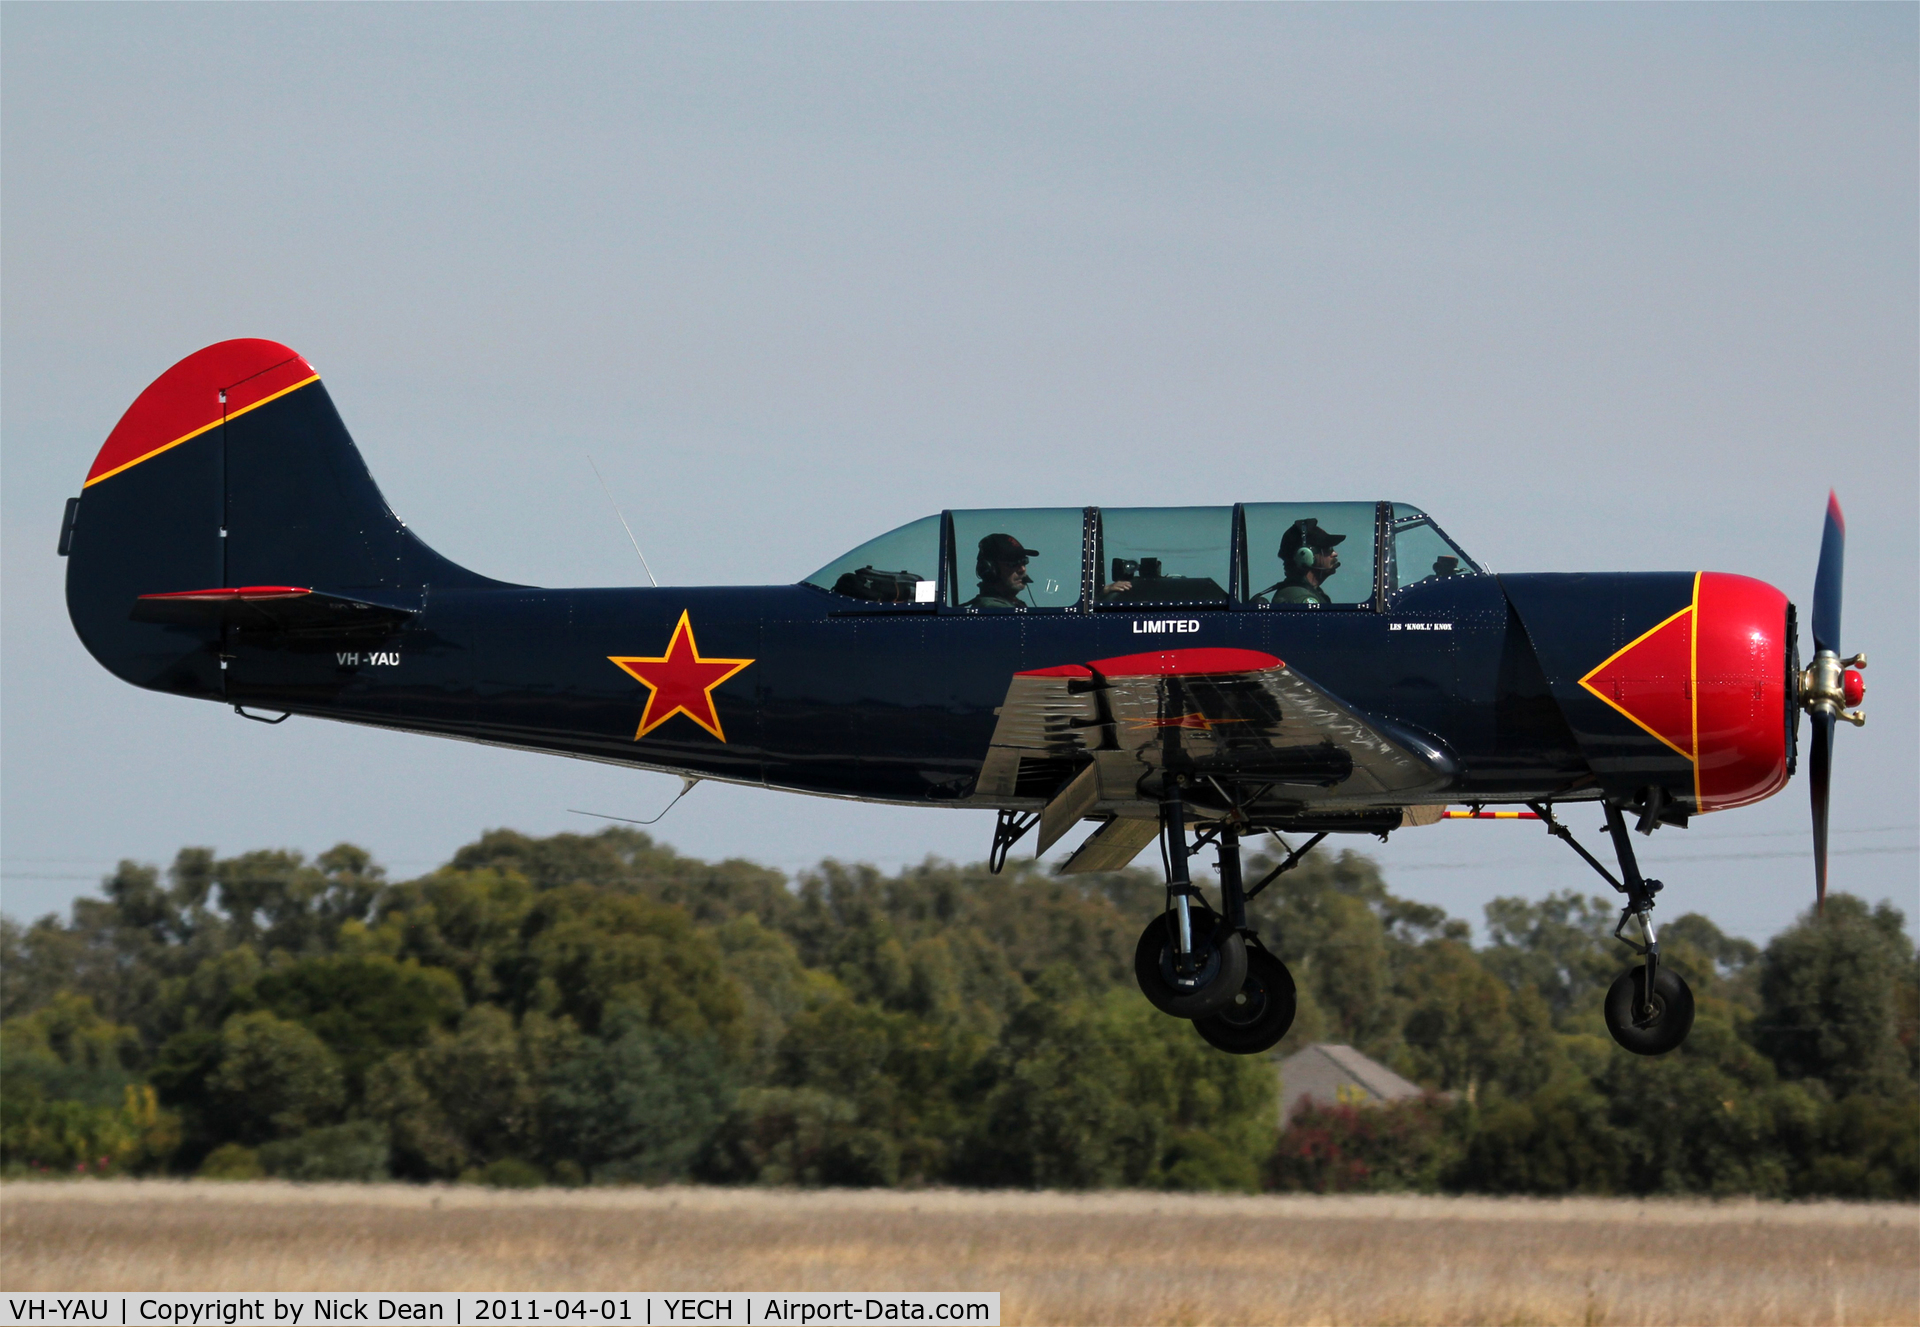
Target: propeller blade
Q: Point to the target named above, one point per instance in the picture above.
(1826, 641)
(1826, 581)
(1819, 771)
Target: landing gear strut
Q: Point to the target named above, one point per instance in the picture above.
(1194, 963)
(1190, 960)
(1648, 1009)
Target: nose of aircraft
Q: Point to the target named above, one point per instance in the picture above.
(1742, 695)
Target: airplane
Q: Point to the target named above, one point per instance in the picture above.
(1185, 675)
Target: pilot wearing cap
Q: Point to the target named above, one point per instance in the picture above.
(1307, 552)
(1002, 569)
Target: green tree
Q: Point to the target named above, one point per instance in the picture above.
(363, 1007)
(774, 986)
(472, 922)
(1561, 946)
(908, 1080)
(67, 1031)
(354, 1151)
(467, 1097)
(1717, 965)
(1557, 1141)
(1864, 1147)
(591, 1003)
(1830, 992)
(962, 942)
(1094, 1092)
(1465, 1030)
(1706, 1118)
(42, 1132)
(1343, 934)
(70, 1101)
(272, 1079)
(786, 1135)
(116, 950)
(625, 860)
(596, 950)
(1059, 1114)
(635, 1103)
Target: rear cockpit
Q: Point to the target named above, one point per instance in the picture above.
(1269, 555)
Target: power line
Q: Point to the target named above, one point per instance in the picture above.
(115, 861)
(1663, 862)
(1775, 833)
(1795, 833)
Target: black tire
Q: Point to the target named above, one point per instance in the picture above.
(1259, 1013)
(1672, 1016)
(1222, 956)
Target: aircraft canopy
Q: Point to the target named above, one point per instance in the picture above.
(1251, 555)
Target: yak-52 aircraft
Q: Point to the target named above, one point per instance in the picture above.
(1187, 674)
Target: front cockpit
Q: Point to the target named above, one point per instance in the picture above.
(1286, 556)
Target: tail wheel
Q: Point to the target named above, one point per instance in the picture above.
(1649, 1027)
(1259, 1014)
(1218, 965)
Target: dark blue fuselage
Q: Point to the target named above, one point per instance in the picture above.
(844, 697)
(891, 703)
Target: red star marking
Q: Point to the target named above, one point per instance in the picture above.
(1182, 721)
(681, 682)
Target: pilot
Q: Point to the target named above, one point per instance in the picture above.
(1002, 569)
(1307, 552)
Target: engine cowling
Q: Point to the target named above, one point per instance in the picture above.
(1742, 708)
(1674, 681)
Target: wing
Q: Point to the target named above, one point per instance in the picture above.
(1099, 739)
(1246, 715)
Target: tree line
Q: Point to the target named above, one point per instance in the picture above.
(601, 1009)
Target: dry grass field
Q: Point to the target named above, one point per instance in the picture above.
(1056, 1258)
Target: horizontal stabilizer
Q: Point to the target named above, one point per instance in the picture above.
(287, 609)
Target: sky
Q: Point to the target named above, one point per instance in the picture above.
(1601, 287)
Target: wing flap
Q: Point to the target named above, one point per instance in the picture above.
(1069, 806)
(1048, 715)
(1113, 846)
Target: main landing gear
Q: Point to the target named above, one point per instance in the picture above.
(1648, 1009)
(1194, 963)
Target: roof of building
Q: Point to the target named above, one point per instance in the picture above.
(1321, 1071)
